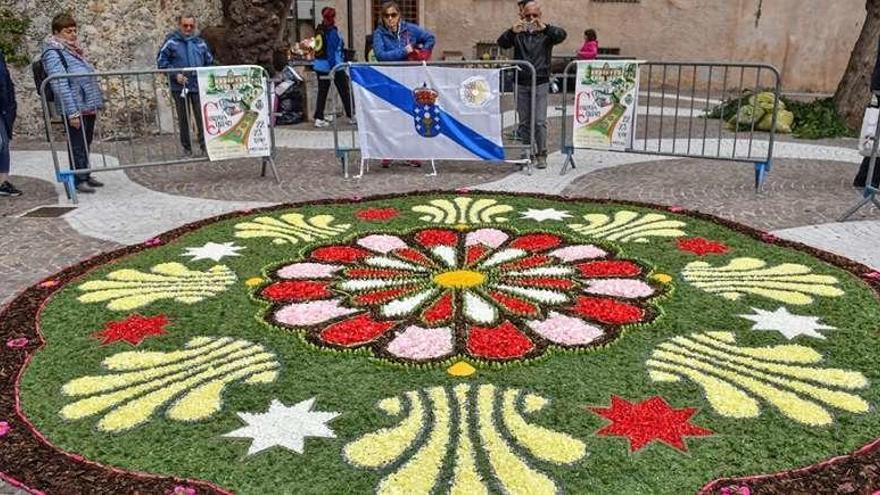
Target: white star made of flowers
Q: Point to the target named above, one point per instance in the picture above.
(787, 324)
(284, 426)
(545, 214)
(213, 251)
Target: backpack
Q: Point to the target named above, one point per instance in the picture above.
(40, 74)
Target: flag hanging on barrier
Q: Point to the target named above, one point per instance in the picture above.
(234, 112)
(606, 98)
(426, 113)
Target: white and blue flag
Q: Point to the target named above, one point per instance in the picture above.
(428, 113)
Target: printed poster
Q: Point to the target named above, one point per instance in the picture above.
(235, 112)
(606, 96)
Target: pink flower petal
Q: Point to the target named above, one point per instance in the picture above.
(308, 270)
(488, 237)
(575, 253)
(422, 343)
(17, 343)
(565, 330)
(382, 243)
(312, 312)
(155, 241)
(619, 287)
(4, 428)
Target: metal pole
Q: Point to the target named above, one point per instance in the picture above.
(351, 28)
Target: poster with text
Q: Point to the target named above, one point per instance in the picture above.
(235, 112)
(606, 97)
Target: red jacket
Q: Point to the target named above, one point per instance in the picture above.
(589, 51)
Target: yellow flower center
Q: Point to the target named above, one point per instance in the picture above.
(461, 227)
(459, 279)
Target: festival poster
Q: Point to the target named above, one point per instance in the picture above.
(606, 96)
(235, 112)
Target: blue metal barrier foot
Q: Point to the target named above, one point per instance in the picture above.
(761, 169)
(569, 160)
(68, 178)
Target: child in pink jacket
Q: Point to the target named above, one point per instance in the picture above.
(590, 50)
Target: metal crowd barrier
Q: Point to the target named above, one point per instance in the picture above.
(138, 125)
(678, 97)
(516, 150)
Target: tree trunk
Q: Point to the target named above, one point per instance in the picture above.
(254, 32)
(854, 91)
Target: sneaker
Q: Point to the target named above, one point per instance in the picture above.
(329, 117)
(319, 123)
(85, 188)
(7, 189)
(94, 182)
(541, 162)
(353, 121)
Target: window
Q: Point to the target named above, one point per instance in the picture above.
(409, 10)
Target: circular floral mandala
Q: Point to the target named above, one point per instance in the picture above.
(435, 293)
(539, 346)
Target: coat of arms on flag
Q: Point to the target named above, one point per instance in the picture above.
(426, 113)
(456, 112)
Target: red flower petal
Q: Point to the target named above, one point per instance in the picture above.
(609, 269)
(440, 311)
(377, 214)
(474, 253)
(502, 342)
(409, 254)
(133, 329)
(536, 242)
(298, 290)
(607, 310)
(355, 331)
(527, 262)
(383, 296)
(701, 246)
(514, 304)
(434, 237)
(376, 273)
(542, 282)
(339, 254)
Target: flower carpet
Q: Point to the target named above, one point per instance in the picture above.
(447, 342)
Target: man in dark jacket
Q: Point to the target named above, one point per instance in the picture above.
(532, 40)
(8, 109)
(185, 48)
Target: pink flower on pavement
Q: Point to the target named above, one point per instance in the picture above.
(677, 209)
(155, 241)
(183, 490)
(4, 428)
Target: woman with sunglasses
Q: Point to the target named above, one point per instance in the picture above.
(396, 40)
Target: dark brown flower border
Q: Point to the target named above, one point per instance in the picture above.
(64, 473)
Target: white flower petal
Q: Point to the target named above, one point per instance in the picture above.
(312, 312)
(308, 270)
(565, 330)
(386, 262)
(422, 343)
(581, 252)
(488, 237)
(544, 271)
(377, 283)
(619, 287)
(382, 243)
(446, 254)
(540, 295)
(503, 256)
(478, 309)
(405, 306)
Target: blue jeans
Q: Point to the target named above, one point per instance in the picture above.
(4, 149)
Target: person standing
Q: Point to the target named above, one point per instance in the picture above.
(326, 58)
(533, 40)
(184, 48)
(8, 109)
(78, 99)
(590, 48)
(396, 40)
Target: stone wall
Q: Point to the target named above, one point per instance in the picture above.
(116, 34)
